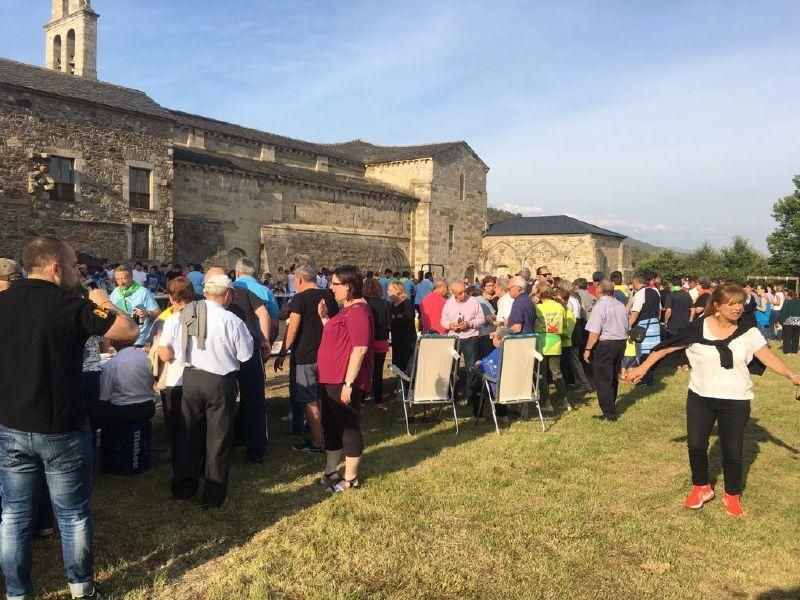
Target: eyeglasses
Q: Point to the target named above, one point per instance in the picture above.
(337, 283)
(545, 274)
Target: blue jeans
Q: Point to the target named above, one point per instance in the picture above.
(251, 417)
(468, 347)
(66, 461)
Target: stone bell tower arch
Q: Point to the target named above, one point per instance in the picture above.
(71, 38)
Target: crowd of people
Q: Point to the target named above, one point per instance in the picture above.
(106, 345)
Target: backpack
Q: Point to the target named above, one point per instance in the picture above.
(587, 304)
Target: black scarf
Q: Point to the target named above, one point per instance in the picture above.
(693, 334)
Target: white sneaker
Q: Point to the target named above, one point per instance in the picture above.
(287, 418)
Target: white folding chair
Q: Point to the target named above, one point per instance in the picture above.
(433, 373)
(518, 379)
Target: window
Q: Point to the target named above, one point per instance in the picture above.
(62, 170)
(71, 51)
(57, 53)
(139, 188)
(140, 240)
(462, 189)
(449, 238)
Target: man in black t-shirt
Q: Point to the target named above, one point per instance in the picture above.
(303, 336)
(250, 425)
(44, 427)
(679, 308)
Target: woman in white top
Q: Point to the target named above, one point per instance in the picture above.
(180, 291)
(719, 348)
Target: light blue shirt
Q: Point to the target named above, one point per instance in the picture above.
(384, 281)
(409, 286)
(141, 298)
(196, 278)
(262, 291)
(424, 288)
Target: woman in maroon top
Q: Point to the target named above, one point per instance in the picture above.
(344, 364)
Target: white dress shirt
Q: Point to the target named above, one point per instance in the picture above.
(228, 343)
(127, 378)
(504, 304)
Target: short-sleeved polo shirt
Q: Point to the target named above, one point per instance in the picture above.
(45, 330)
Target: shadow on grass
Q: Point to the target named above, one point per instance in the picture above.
(780, 594)
(754, 436)
(143, 537)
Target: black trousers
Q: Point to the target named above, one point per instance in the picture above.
(207, 408)
(111, 414)
(791, 336)
(731, 417)
(379, 358)
(251, 416)
(606, 363)
(341, 423)
(171, 406)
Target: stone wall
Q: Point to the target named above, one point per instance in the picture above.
(567, 256)
(103, 143)
(463, 209)
(437, 183)
(221, 213)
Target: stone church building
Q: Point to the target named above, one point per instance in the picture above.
(569, 247)
(123, 178)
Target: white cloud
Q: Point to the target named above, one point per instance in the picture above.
(523, 209)
(624, 226)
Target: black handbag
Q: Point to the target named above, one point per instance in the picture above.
(637, 334)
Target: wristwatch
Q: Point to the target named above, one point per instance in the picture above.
(347, 384)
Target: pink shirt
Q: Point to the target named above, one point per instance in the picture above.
(350, 328)
(469, 311)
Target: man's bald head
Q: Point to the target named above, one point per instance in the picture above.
(213, 271)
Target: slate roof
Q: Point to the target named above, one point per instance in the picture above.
(283, 172)
(552, 225)
(78, 88)
(273, 139)
(371, 153)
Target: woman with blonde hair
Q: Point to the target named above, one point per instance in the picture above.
(720, 347)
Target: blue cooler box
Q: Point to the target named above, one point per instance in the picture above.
(125, 449)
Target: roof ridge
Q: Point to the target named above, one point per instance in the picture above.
(363, 141)
(76, 77)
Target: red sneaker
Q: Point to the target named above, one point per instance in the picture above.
(732, 504)
(699, 495)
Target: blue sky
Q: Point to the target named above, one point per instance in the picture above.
(674, 122)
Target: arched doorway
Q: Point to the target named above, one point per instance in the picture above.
(234, 255)
(469, 274)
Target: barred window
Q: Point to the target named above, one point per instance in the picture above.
(139, 189)
(62, 170)
(140, 238)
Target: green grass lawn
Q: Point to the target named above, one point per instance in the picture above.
(586, 510)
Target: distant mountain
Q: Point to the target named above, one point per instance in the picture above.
(647, 248)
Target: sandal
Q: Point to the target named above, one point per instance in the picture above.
(346, 484)
(330, 479)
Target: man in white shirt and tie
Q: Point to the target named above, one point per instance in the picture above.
(212, 343)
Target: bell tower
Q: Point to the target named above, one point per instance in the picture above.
(71, 38)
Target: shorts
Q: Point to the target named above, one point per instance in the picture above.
(629, 362)
(305, 380)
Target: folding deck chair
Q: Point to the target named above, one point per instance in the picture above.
(433, 374)
(518, 379)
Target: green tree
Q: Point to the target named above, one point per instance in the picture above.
(740, 259)
(784, 242)
(495, 215)
(705, 261)
(667, 264)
